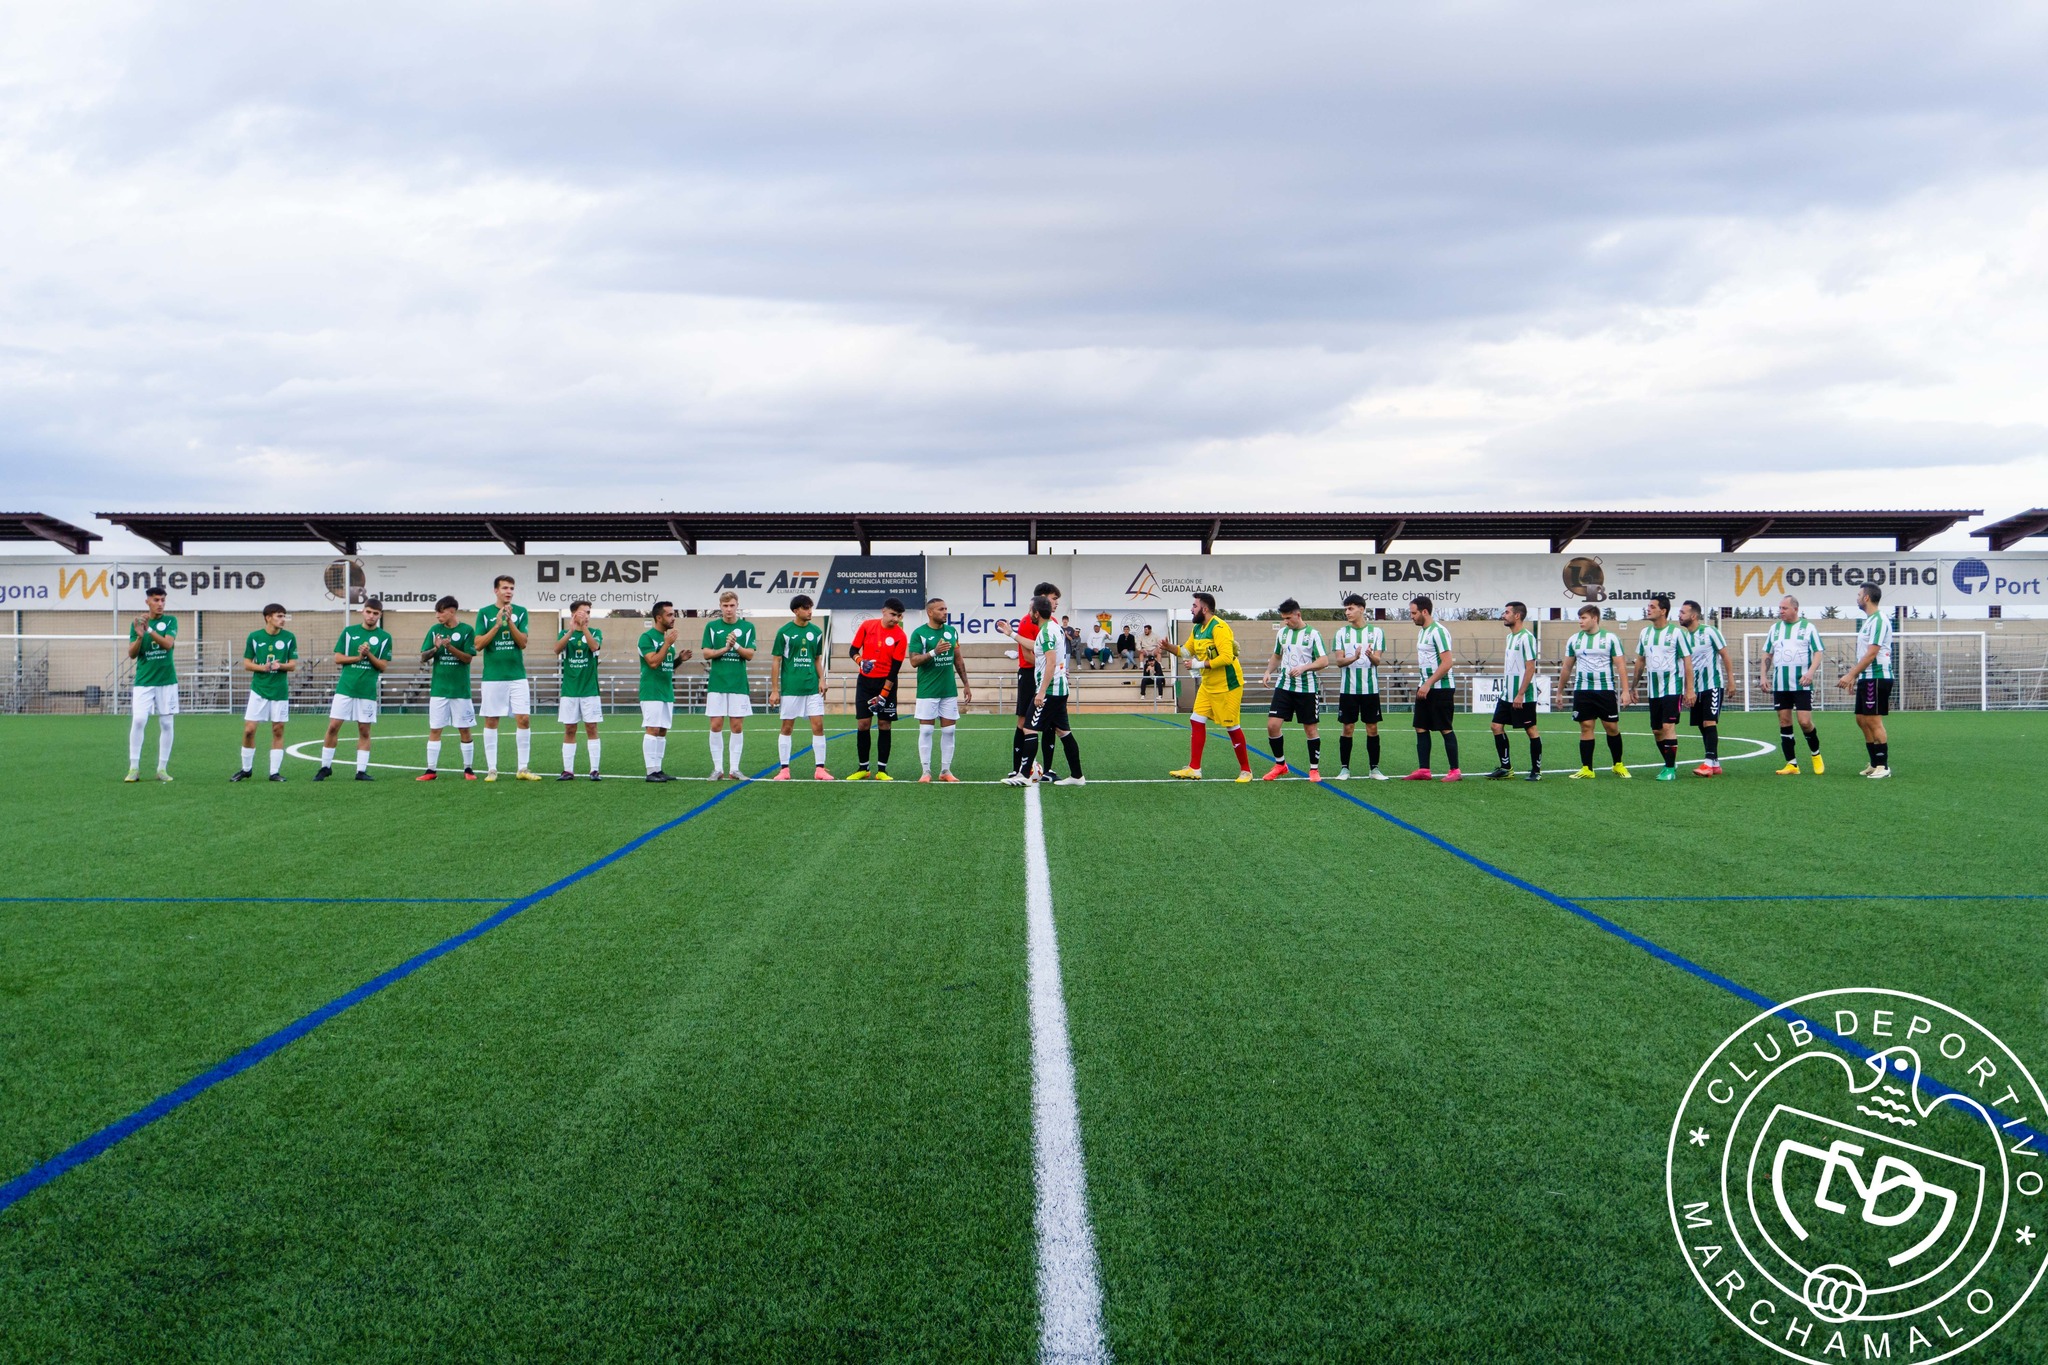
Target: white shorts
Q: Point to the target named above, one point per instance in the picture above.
(728, 704)
(658, 715)
(797, 708)
(508, 697)
(263, 708)
(938, 708)
(443, 712)
(155, 701)
(569, 710)
(361, 710)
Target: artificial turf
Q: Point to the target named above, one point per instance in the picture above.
(760, 1089)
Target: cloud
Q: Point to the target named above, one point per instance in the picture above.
(1061, 254)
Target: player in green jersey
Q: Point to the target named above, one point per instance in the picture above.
(269, 657)
(449, 646)
(942, 687)
(1872, 678)
(728, 645)
(577, 645)
(1792, 655)
(659, 655)
(501, 638)
(152, 638)
(1663, 673)
(1709, 650)
(1436, 695)
(361, 655)
(1516, 705)
(1298, 650)
(796, 685)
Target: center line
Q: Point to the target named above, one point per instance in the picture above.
(1069, 1288)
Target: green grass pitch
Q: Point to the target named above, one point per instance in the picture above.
(760, 1089)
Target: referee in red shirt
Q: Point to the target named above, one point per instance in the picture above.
(878, 648)
(1025, 634)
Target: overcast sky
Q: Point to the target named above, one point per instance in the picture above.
(986, 254)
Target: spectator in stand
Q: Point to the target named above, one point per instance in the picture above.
(1127, 648)
(1151, 675)
(1072, 635)
(1098, 646)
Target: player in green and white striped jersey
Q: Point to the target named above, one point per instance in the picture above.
(1709, 650)
(1298, 650)
(1792, 655)
(1436, 694)
(1591, 659)
(1872, 679)
(1517, 703)
(1048, 703)
(1359, 648)
(1664, 673)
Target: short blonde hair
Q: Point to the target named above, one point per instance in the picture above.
(727, 595)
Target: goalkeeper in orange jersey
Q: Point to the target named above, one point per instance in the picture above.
(1211, 651)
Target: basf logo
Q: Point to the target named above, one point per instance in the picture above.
(1970, 576)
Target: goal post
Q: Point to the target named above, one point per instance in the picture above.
(1935, 670)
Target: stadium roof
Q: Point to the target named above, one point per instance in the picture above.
(348, 531)
(36, 526)
(2003, 535)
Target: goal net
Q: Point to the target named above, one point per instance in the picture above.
(1935, 670)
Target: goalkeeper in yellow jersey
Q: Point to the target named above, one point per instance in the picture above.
(1211, 651)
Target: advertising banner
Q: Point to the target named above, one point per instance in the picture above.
(1925, 581)
(636, 582)
(81, 583)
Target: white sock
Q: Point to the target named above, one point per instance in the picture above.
(522, 740)
(491, 747)
(248, 758)
(660, 751)
(924, 748)
(647, 752)
(818, 750)
(135, 731)
(569, 756)
(327, 758)
(362, 760)
(782, 746)
(276, 762)
(433, 755)
(596, 748)
(717, 752)
(739, 737)
(163, 743)
(947, 735)
(468, 754)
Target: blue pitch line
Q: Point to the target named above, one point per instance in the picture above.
(1656, 950)
(1860, 896)
(253, 900)
(121, 1129)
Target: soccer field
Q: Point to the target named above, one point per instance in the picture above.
(1370, 1071)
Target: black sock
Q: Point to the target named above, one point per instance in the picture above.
(1279, 743)
(1372, 751)
(1344, 752)
(882, 750)
(1045, 743)
(1073, 750)
(862, 739)
(1884, 754)
(1500, 746)
(1871, 749)
(1614, 747)
(1785, 742)
(1020, 752)
(1585, 753)
(1710, 735)
(1450, 749)
(1315, 753)
(1422, 748)
(1813, 741)
(1669, 749)
(1535, 753)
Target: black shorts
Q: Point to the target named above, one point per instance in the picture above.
(1706, 707)
(1596, 706)
(1434, 711)
(1050, 714)
(1295, 706)
(874, 697)
(1664, 710)
(1801, 700)
(1515, 715)
(1353, 707)
(1027, 688)
(1873, 696)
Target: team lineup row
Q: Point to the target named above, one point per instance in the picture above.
(1676, 668)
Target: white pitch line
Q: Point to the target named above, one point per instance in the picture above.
(1069, 1286)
